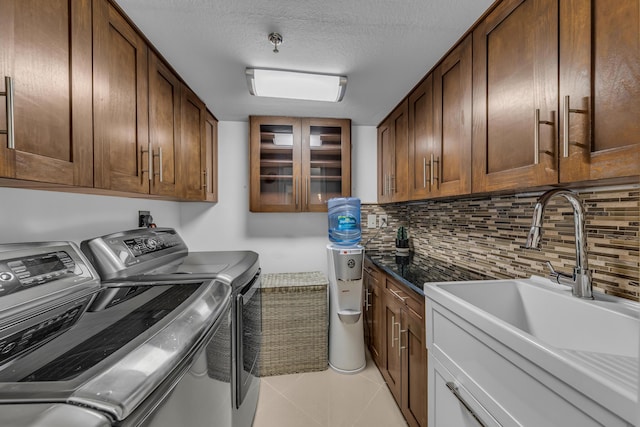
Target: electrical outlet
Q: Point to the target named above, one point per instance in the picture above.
(383, 221)
(144, 218)
(371, 221)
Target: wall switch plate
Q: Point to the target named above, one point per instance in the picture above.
(371, 221)
(383, 220)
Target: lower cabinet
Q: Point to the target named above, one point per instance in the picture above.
(372, 305)
(395, 334)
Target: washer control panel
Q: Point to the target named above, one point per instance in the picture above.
(142, 245)
(32, 270)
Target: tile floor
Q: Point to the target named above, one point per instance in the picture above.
(327, 399)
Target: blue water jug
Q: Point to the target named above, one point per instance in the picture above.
(344, 221)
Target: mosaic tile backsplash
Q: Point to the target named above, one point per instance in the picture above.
(487, 235)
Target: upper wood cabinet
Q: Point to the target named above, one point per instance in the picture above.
(121, 116)
(421, 139)
(211, 158)
(298, 164)
(193, 164)
(46, 52)
(164, 126)
(599, 89)
(393, 156)
(515, 96)
(452, 87)
(440, 128)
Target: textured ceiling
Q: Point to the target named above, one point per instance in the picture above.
(384, 47)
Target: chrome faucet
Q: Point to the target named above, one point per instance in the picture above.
(581, 279)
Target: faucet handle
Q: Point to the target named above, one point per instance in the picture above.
(559, 277)
(553, 274)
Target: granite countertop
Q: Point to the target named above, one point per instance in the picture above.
(415, 270)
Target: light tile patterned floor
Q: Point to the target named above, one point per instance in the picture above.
(327, 399)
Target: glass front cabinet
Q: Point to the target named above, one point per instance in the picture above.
(297, 164)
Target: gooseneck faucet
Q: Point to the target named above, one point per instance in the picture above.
(581, 279)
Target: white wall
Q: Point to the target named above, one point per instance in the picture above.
(286, 242)
(32, 215)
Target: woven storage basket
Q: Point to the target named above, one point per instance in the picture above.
(294, 323)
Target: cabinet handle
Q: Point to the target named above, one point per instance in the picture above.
(397, 295)
(367, 303)
(400, 346)
(205, 185)
(432, 168)
(565, 125)
(149, 169)
(454, 389)
(307, 189)
(295, 189)
(159, 156)
(424, 172)
(393, 323)
(8, 94)
(536, 135)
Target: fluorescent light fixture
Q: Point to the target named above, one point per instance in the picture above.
(296, 85)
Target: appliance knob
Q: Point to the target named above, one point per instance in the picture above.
(5, 276)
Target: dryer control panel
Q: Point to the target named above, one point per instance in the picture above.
(19, 273)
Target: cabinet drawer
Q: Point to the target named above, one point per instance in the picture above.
(453, 409)
(508, 385)
(407, 296)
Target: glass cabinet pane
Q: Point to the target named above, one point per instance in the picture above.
(325, 164)
(276, 164)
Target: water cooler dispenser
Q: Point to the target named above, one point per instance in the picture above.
(345, 259)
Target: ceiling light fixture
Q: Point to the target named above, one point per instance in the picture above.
(295, 85)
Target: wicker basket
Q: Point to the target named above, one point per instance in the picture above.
(294, 323)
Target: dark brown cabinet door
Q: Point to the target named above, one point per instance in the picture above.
(414, 367)
(164, 126)
(599, 89)
(421, 139)
(46, 51)
(120, 94)
(192, 146)
(275, 150)
(326, 162)
(515, 96)
(392, 367)
(385, 162)
(450, 163)
(393, 156)
(211, 158)
(373, 312)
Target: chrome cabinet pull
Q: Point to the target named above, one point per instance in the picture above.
(295, 189)
(424, 172)
(307, 189)
(536, 135)
(454, 389)
(393, 322)
(400, 346)
(397, 295)
(367, 303)
(8, 94)
(565, 124)
(149, 169)
(205, 184)
(432, 167)
(159, 156)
